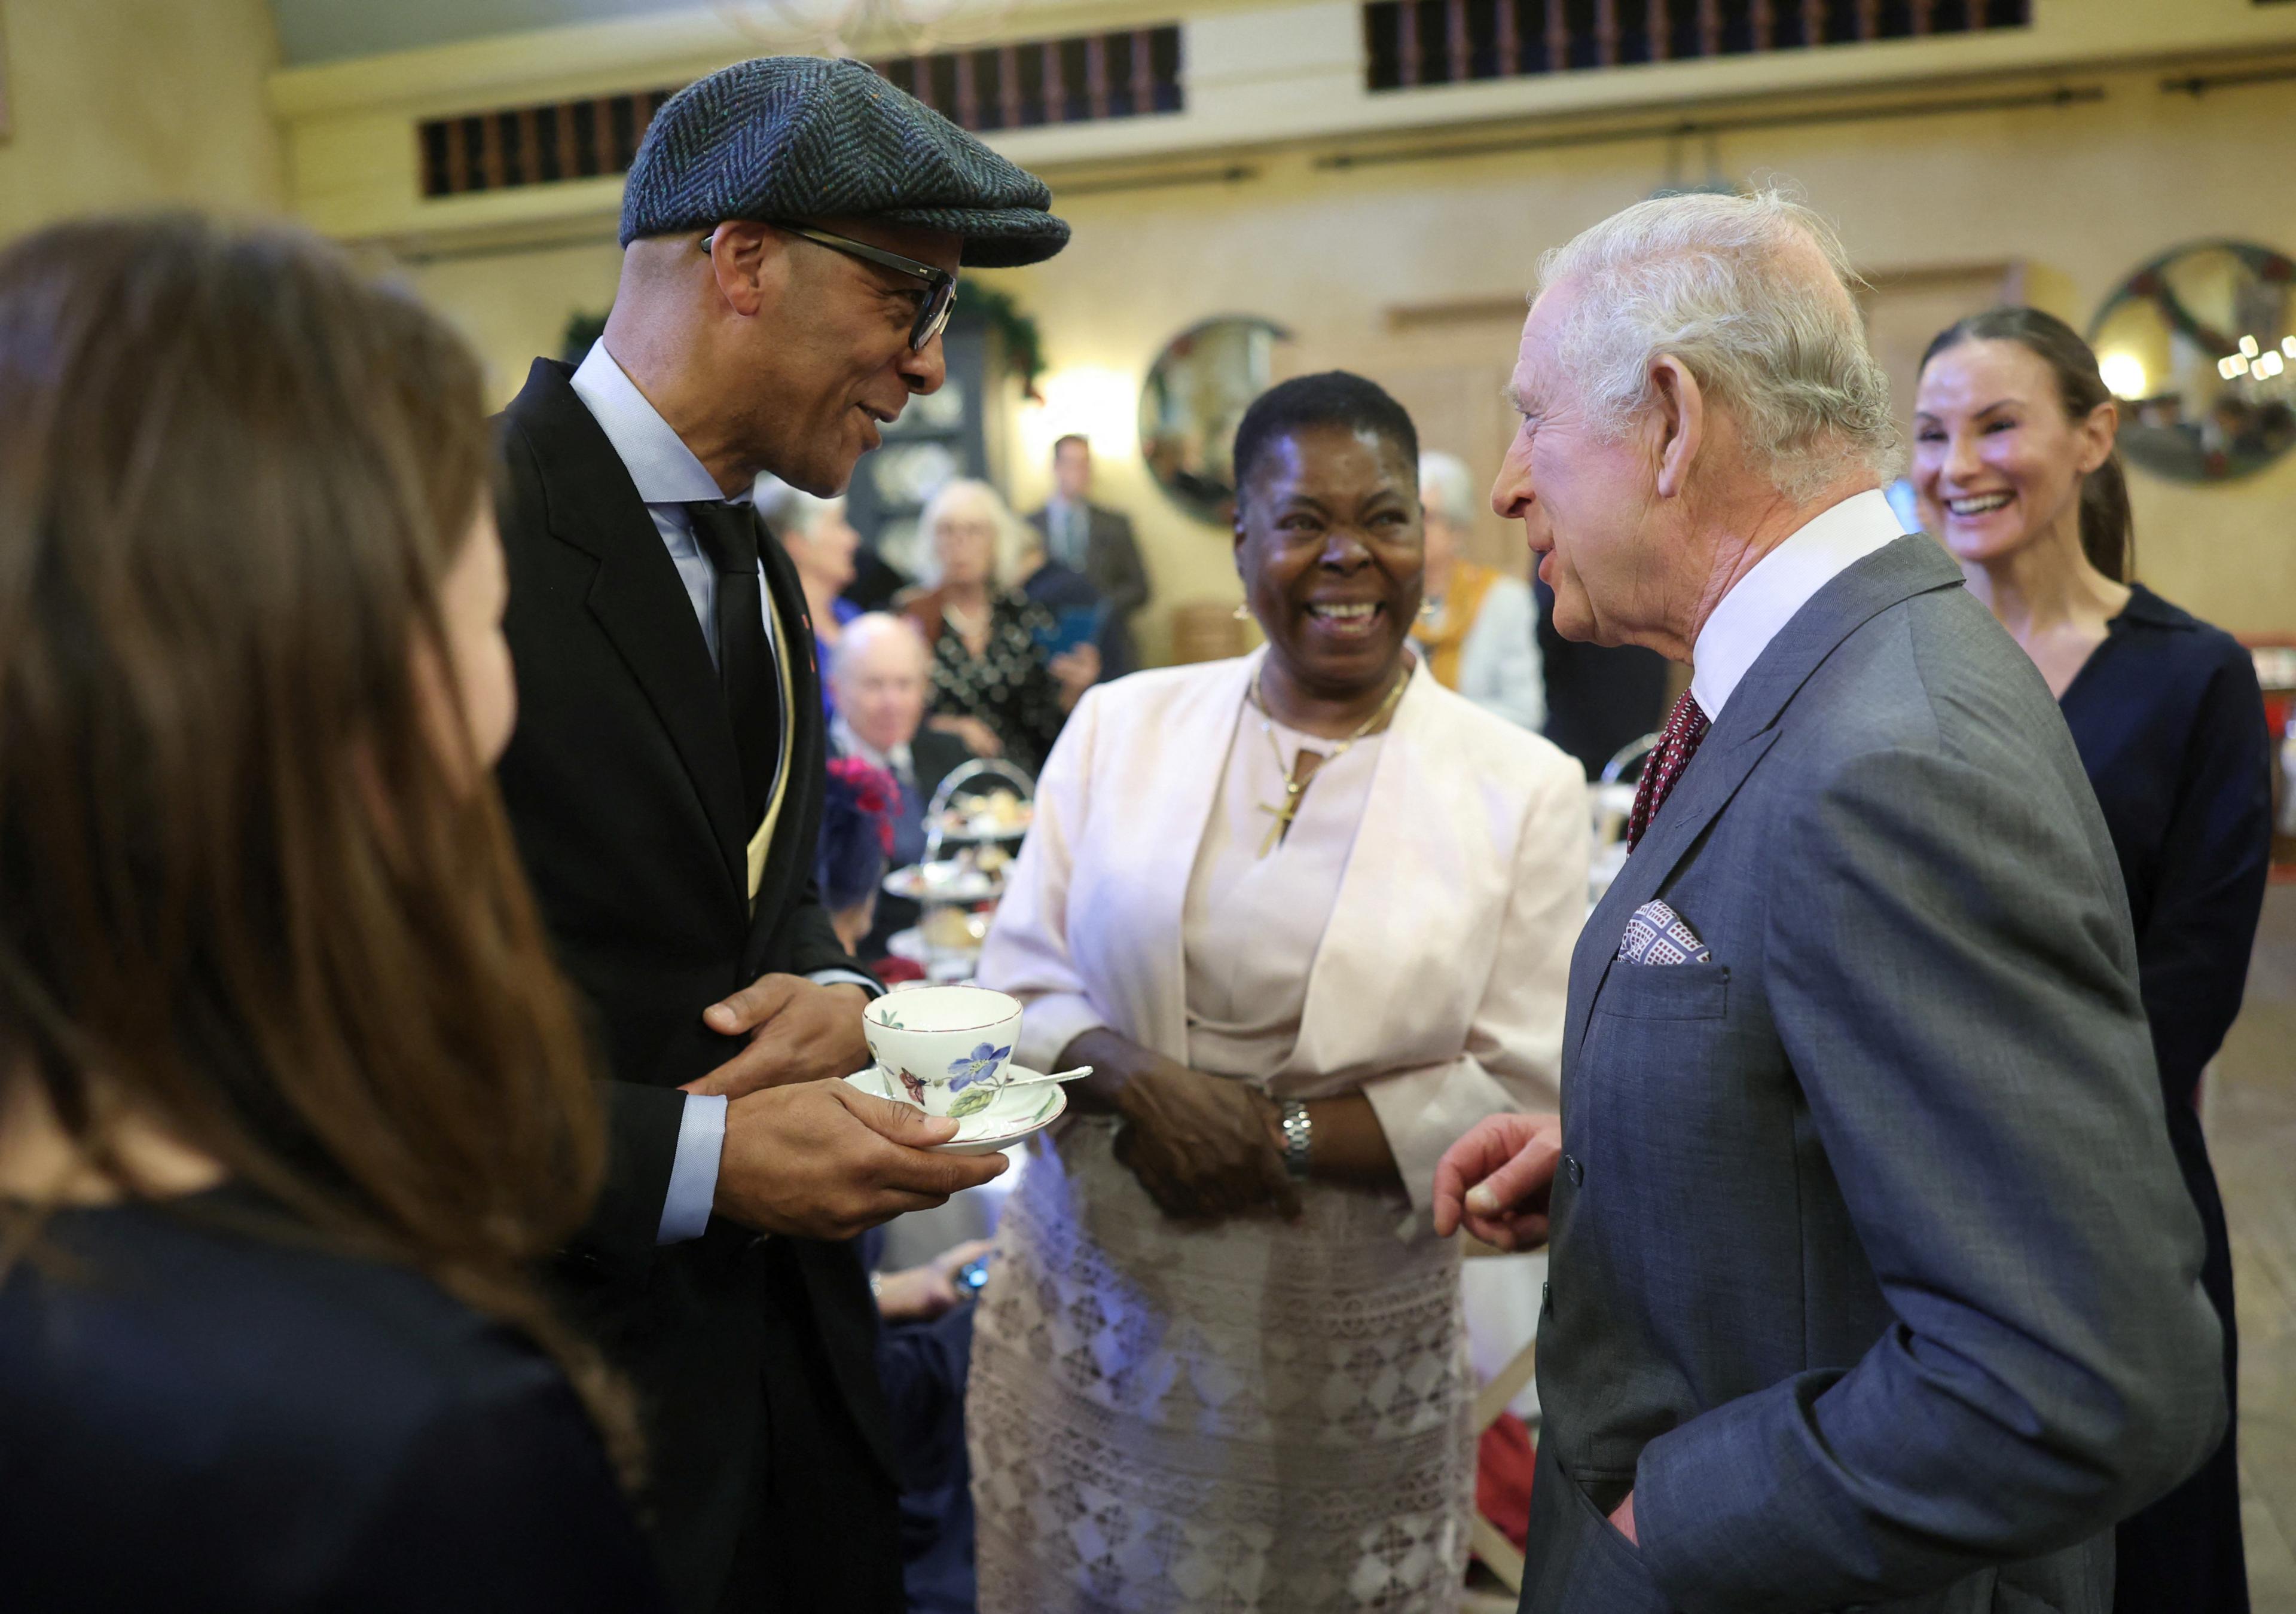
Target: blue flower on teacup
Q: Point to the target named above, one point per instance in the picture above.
(976, 1066)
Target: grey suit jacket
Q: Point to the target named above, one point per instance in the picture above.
(1111, 560)
(1873, 1274)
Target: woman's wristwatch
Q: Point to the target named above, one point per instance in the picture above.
(1298, 1135)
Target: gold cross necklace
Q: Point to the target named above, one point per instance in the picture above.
(1295, 785)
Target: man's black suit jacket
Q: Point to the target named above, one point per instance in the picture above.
(625, 792)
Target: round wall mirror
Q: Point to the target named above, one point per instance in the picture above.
(1196, 392)
(2199, 345)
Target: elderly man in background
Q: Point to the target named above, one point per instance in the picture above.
(1477, 627)
(781, 298)
(1873, 1281)
(881, 673)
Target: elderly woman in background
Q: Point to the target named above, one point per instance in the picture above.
(2014, 470)
(1308, 915)
(820, 544)
(1477, 630)
(994, 684)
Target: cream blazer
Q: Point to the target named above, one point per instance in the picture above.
(1438, 988)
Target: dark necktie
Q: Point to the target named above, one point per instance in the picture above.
(1677, 743)
(728, 534)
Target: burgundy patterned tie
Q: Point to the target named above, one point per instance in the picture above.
(1677, 742)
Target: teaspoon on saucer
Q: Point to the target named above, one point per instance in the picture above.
(1033, 1079)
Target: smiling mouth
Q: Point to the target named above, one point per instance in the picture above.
(1977, 503)
(1346, 620)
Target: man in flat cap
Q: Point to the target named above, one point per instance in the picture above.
(793, 230)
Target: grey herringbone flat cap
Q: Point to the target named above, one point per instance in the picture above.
(798, 137)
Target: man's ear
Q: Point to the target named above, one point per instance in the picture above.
(747, 260)
(1678, 416)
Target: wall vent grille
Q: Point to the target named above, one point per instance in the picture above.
(1134, 73)
(535, 145)
(1416, 43)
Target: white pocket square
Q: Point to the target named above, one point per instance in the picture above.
(1658, 935)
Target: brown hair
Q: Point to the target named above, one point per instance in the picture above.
(241, 887)
(2108, 528)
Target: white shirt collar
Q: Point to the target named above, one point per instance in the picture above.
(659, 461)
(841, 734)
(1781, 582)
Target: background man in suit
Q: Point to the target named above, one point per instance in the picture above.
(1098, 542)
(1872, 1280)
(881, 673)
(782, 298)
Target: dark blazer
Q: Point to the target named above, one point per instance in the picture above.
(1600, 698)
(625, 792)
(1058, 587)
(1873, 1274)
(2169, 724)
(1111, 557)
(196, 1418)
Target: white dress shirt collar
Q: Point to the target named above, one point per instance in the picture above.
(665, 469)
(898, 761)
(1781, 582)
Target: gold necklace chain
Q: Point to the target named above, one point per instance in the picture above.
(1295, 788)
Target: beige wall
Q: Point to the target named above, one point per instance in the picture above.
(513, 305)
(2078, 197)
(129, 104)
(2081, 195)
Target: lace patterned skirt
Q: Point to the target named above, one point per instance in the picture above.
(1261, 1415)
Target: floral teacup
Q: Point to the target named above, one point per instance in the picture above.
(945, 1047)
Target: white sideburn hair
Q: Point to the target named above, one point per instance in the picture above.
(1715, 282)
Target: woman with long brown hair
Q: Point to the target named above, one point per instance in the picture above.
(2015, 472)
(290, 1095)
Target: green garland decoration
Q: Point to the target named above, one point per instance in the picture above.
(1024, 349)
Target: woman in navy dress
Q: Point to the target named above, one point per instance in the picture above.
(2014, 468)
(291, 1098)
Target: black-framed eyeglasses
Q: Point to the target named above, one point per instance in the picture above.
(940, 285)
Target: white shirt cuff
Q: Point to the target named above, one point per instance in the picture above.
(847, 978)
(693, 1170)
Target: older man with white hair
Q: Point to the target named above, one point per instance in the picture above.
(1476, 627)
(1872, 1282)
(881, 674)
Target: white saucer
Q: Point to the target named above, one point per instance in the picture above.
(1016, 1112)
(947, 880)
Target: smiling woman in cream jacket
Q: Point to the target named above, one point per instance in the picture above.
(1308, 914)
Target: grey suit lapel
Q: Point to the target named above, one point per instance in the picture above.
(1749, 727)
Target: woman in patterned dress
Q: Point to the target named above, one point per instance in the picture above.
(994, 684)
(1308, 914)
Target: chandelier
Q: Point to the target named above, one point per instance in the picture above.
(853, 28)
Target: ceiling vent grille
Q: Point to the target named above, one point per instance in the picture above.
(1416, 43)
